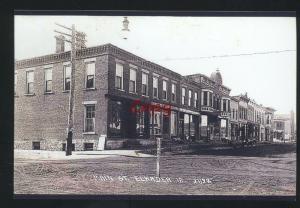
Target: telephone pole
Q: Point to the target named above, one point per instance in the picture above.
(77, 41)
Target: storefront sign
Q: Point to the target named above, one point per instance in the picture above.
(138, 106)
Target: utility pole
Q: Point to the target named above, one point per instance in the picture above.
(77, 41)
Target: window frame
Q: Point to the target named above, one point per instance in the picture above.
(85, 118)
(196, 99)
(86, 75)
(147, 84)
(121, 78)
(130, 80)
(155, 78)
(27, 82)
(46, 80)
(190, 96)
(173, 94)
(64, 77)
(165, 91)
(183, 89)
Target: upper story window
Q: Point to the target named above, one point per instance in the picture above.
(67, 78)
(183, 96)
(196, 99)
(155, 87)
(48, 80)
(132, 81)
(90, 75)
(29, 82)
(119, 76)
(173, 96)
(226, 105)
(89, 120)
(190, 98)
(207, 98)
(144, 84)
(165, 94)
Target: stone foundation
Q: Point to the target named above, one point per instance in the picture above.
(54, 145)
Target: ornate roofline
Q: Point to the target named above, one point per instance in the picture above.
(203, 75)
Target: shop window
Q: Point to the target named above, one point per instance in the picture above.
(166, 120)
(156, 122)
(140, 123)
(186, 126)
(173, 123)
(115, 118)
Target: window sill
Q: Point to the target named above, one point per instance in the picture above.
(90, 89)
(147, 96)
(89, 133)
(32, 94)
(66, 91)
(120, 90)
(48, 93)
(134, 93)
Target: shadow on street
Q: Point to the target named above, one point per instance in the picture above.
(260, 150)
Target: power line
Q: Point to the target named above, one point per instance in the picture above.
(227, 55)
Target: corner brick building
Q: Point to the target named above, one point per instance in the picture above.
(108, 83)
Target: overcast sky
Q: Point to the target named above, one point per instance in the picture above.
(189, 45)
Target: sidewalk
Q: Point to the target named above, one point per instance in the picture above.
(61, 155)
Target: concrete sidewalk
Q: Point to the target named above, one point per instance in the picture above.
(61, 155)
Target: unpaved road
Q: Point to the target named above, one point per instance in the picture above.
(222, 174)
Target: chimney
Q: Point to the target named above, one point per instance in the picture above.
(60, 43)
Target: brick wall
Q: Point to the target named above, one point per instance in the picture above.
(43, 117)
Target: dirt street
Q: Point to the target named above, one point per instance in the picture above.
(181, 174)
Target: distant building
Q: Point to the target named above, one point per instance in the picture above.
(284, 128)
(269, 113)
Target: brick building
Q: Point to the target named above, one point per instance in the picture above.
(110, 83)
(125, 99)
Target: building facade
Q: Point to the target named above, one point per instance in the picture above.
(283, 125)
(118, 95)
(125, 99)
(215, 107)
(269, 127)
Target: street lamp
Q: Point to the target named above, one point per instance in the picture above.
(125, 29)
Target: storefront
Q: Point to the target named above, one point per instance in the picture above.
(243, 131)
(234, 131)
(188, 125)
(124, 122)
